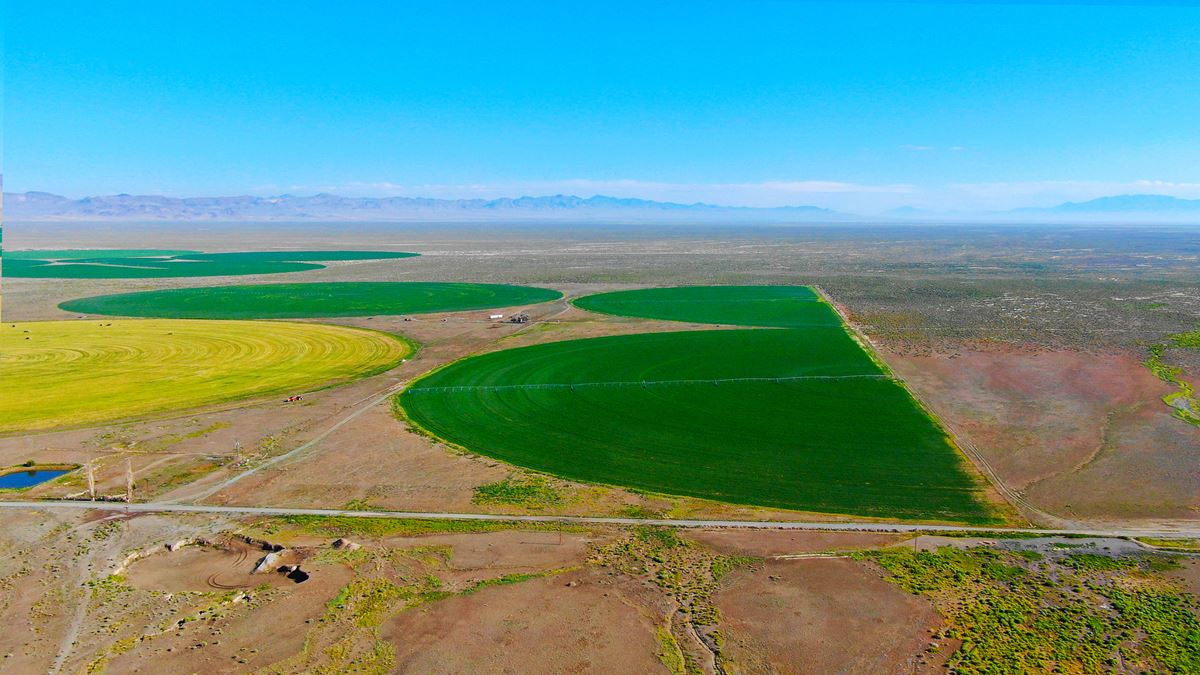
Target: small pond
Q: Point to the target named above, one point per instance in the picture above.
(24, 479)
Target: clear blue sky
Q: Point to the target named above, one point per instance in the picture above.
(868, 106)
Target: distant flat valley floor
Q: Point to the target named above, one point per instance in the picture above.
(1027, 341)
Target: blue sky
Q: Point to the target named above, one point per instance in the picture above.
(858, 106)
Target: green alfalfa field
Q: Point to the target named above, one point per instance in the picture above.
(290, 301)
(796, 418)
(778, 306)
(162, 263)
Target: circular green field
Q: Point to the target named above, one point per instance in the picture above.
(796, 418)
(289, 301)
(72, 373)
(778, 306)
(159, 263)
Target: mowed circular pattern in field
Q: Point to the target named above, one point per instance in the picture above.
(160, 263)
(74, 373)
(290, 301)
(775, 306)
(797, 418)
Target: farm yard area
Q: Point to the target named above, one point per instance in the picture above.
(832, 376)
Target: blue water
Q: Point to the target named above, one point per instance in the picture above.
(25, 479)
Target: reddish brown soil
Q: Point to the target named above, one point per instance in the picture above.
(822, 615)
(768, 543)
(258, 635)
(506, 552)
(205, 568)
(1081, 435)
(1189, 575)
(524, 628)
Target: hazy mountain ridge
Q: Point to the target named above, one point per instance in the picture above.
(1117, 208)
(46, 206)
(1123, 204)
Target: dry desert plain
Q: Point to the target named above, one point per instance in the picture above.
(1029, 348)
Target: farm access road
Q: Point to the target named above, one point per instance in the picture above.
(1184, 531)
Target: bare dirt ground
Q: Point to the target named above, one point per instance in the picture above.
(775, 543)
(521, 628)
(80, 592)
(822, 615)
(1189, 576)
(1082, 434)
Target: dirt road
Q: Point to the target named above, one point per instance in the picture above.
(1188, 530)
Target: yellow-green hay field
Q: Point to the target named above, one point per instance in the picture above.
(75, 373)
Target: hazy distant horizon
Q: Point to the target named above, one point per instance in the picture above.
(44, 206)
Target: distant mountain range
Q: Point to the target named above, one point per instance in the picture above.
(1116, 209)
(43, 206)
(46, 206)
(1125, 204)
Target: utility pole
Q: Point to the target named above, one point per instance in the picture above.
(91, 480)
(128, 480)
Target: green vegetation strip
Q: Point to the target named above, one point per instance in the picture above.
(291, 301)
(795, 418)
(531, 492)
(60, 373)
(1183, 400)
(159, 263)
(1021, 612)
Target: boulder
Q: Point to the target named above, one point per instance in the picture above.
(266, 563)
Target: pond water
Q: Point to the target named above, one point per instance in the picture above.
(24, 479)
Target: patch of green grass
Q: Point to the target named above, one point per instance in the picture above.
(723, 565)
(659, 537)
(1000, 572)
(638, 511)
(290, 301)
(1183, 400)
(1098, 563)
(164, 442)
(508, 579)
(532, 492)
(669, 653)
(148, 263)
(367, 601)
(1186, 545)
(108, 587)
(796, 418)
(1077, 615)
(1187, 340)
